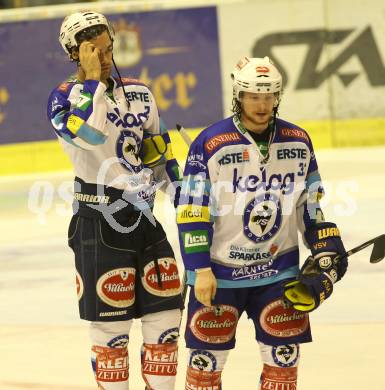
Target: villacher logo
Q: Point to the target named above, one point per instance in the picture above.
(170, 283)
(215, 324)
(117, 287)
(279, 321)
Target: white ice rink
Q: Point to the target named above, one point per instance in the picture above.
(44, 346)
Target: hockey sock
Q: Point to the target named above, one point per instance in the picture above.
(202, 380)
(284, 378)
(160, 349)
(205, 369)
(109, 354)
(159, 365)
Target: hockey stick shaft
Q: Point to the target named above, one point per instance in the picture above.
(186, 138)
(360, 247)
(378, 251)
(184, 134)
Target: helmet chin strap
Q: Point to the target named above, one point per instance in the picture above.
(272, 134)
(275, 113)
(121, 82)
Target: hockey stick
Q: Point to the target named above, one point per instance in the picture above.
(188, 141)
(378, 251)
(183, 133)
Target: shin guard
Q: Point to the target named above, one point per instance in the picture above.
(283, 378)
(202, 380)
(109, 354)
(159, 365)
(111, 367)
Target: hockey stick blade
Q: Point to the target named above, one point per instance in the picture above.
(378, 251)
(184, 134)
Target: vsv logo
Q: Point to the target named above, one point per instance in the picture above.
(252, 183)
(129, 120)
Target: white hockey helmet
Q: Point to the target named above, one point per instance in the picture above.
(256, 75)
(77, 22)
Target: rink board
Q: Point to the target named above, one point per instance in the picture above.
(333, 67)
(48, 156)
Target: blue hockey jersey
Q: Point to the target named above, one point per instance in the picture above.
(240, 212)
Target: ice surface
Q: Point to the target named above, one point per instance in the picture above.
(43, 344)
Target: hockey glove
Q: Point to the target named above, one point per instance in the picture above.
(153, 151)
(320, 271)
(312, 287)
(326, 247)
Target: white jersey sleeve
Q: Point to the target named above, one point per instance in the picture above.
(79, 116)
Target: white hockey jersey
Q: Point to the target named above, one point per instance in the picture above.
(240, 212)
(103, 136)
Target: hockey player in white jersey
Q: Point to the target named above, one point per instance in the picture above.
(121, 153)
(251, 182)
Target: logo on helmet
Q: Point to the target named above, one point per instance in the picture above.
(242, 63)
(262, 69)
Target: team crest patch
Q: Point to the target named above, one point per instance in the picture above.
(262, 218)
(169, 336)
(119, 341)
(203, 360)
(215, 324)
(170, 283)
(117, 287)
(127, 150)
(279, 321)
(285, 355)
(127, 45)
(79, 286)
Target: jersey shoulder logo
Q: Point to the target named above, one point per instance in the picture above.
(213, 143)
(294, 133)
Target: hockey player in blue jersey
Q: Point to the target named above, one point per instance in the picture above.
(121, 153)
(250, 183)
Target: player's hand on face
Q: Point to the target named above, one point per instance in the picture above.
(205, 287)
(89, 60)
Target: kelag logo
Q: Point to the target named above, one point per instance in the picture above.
(364, 47)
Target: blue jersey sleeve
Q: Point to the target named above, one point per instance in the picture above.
(195, 224)
(309, 211)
